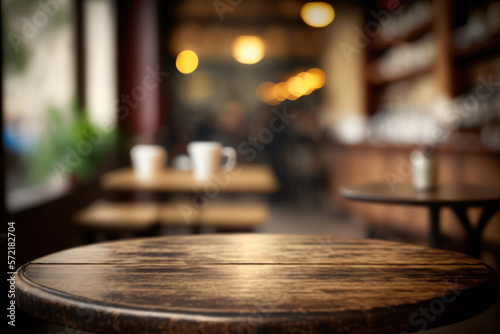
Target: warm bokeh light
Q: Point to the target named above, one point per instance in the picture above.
(265, 91)
(186, 62)
(309, 81)
(319, 77)
(280, 91)
(317, 14)
(297, 86)
(303, 83)
(248, 49)
(274, 102)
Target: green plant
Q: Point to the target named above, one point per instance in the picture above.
(72, 145)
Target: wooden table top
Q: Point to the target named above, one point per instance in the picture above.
(445, 194)
(244, 178)
(255, 283)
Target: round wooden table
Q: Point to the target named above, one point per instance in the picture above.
(255, 283)
(458, 197)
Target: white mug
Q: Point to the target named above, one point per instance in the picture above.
(206, 157)
(148, 160)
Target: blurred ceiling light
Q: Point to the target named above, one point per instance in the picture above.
(297, 86)
(265, 91)
(280, 91)
(284, 89)
(309, 81)
(303, 83)
(292, 89)
(186, 62)
(317, 14)
(319, 77)
(248, 49)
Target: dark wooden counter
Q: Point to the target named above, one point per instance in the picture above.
(255, 283)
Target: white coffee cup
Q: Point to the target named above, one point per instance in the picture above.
(148, 160)
(206, 158)
(424, 171)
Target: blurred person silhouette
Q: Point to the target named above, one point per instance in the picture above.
(205, 128)
(304, 160)
(275, 151)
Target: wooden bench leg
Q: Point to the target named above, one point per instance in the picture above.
(89, 237)
(371, 233)
(434, 226)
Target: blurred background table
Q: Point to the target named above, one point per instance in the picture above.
(258, 282)
(159, 202)
(458, 197)
(244, 178)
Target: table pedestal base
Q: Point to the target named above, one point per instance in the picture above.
(434, 228)
(474, 234)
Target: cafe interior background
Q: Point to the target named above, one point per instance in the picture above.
(356, 89)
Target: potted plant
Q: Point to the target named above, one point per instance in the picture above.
(72, 146)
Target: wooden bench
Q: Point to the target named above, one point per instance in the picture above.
(103, 219)
(216, 214)
(110, 220)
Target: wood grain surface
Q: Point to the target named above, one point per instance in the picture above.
(255, 283)
(445, 194)
(244, 178)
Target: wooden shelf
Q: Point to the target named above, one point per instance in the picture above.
(375, 79)
(451, 67)
(379, 44)
(460, 142)
(375, 82)
(478, 50)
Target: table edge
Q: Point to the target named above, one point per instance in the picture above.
(352, 194)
